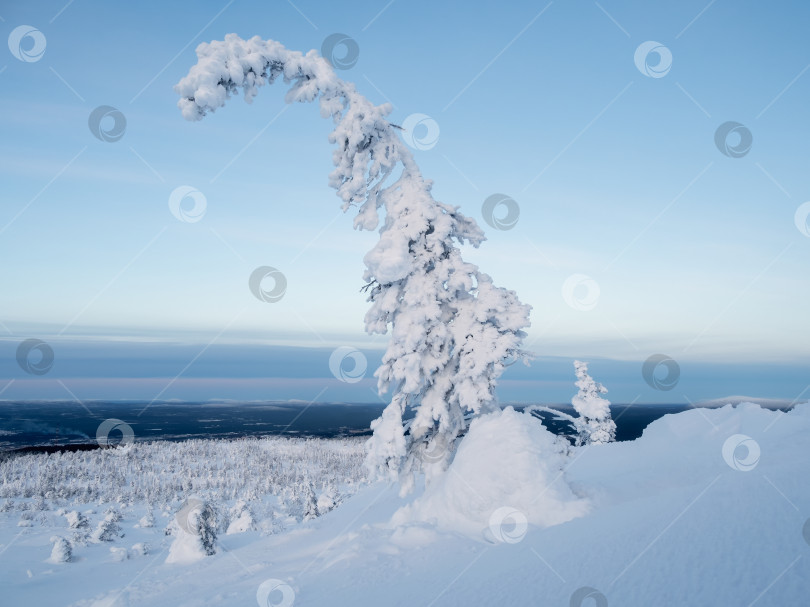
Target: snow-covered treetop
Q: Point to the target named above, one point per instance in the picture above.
(588, 402)
(368, 146)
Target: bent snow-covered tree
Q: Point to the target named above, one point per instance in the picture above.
(594, 424)
(452, 330)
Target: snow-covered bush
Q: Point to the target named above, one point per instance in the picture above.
(328, 500)
(307, 500)
(195, 532)
(118, 554)
(140, 549)
(594, 425)
(62, 551)
(80, 537)
(26, 520)
(76, 520)
(241, 518)
(107, 529)
(147, 520)
(452, 330)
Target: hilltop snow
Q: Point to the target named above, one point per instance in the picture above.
(708, 507)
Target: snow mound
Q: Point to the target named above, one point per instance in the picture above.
(506, 475)
(186, 548)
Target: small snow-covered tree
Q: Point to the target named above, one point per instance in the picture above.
(208, 530)
(594, 424)
(328, 500)
(452, 329)
(194, 529)
(241, 518)
(148, 519)
(62, 551)
(308, 502)
(202, 521)
(76, 520)
(108, 529)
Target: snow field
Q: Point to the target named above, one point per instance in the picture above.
(708, 507)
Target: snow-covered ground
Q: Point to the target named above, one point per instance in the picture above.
(708, 507)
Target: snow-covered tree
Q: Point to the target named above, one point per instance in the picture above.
(148, 519)
(195, 531)
(594, 424)
(76, 520)
(62, 551)
(108, 529)
(308, 502)
(328, 500)
(201, 521)
(241, 518)
(452, 329)
(140, 549)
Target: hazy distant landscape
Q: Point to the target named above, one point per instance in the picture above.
(55, 424)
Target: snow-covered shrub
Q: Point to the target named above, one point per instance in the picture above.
(80, 537)
(62, 551)
(147, 520)
(328, 500)
(452, 329)
(114, 514)
(26, 520)
(140, 549)
(273, 522)
(240, 518)
(118, 554)
(207, 529)
(76, 520)
(108, 528)
(306, 501)
(195, 531)
(594, 425)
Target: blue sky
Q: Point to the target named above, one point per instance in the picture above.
(696, 254)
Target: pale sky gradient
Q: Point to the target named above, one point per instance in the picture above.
(617, 176)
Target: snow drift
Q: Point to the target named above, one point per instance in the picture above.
(508, 471)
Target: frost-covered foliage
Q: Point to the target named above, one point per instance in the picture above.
(76, 520)
(108, 529)
(99, 497)
(62, 551)
(240, 518)
(452, 330)
(309, 502)
(140, 549)
(594, 424)
(195, 531)
(165, 472)
(328, 500)
(148, 519)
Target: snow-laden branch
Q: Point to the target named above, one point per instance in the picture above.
(452, 329)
